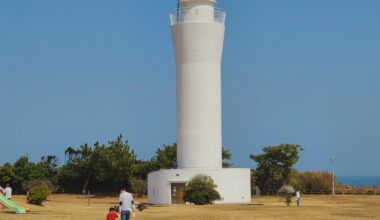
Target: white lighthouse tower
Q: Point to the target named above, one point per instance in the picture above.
(198, 33)
(198, 43)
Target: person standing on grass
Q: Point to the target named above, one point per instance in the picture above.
(126, 204)
(298, 197)
(8, 191)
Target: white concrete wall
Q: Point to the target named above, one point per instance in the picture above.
(198, 52)
(233, 184)
(195, 11)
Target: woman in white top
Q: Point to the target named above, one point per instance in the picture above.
(298, 197)
(8, 191)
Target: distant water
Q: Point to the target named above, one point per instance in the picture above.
(359, 180)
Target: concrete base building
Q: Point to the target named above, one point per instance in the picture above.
(233, 184)
(198, 34)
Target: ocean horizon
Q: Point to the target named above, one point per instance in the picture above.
(359, 180)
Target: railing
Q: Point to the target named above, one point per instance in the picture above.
(359, 191)
(205, 15)
(339, 191)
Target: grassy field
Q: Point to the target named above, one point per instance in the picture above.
(313, 207)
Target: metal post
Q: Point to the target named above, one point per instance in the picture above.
(333, 175)
(177, 11)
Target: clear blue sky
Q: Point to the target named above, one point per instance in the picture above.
(302, 72)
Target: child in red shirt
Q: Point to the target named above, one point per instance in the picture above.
(112, 215)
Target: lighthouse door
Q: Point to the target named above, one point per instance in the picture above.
(177, 193)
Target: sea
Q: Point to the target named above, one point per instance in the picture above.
(359, 180)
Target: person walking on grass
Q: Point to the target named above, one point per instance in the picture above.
(298, 197)
(126, 204)
(112, 214)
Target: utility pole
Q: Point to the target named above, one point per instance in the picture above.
(333, 175)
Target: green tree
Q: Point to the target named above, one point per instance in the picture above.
(116, 163)
(26, 170)
(78, 169)
(23, 170)
(200, 190)
(101, 168)
(165, 157)
(143, 168)
(226, 155)
(50, 165)
(7, 174)
(274, 166)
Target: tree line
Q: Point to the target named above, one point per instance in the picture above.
(104, 168)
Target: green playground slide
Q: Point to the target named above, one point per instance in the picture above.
(10, 205)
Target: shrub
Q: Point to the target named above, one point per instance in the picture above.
(38, 194)
(370, 192)
(287, 192)
(138, 186)
(311, 181)
(200, 190)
